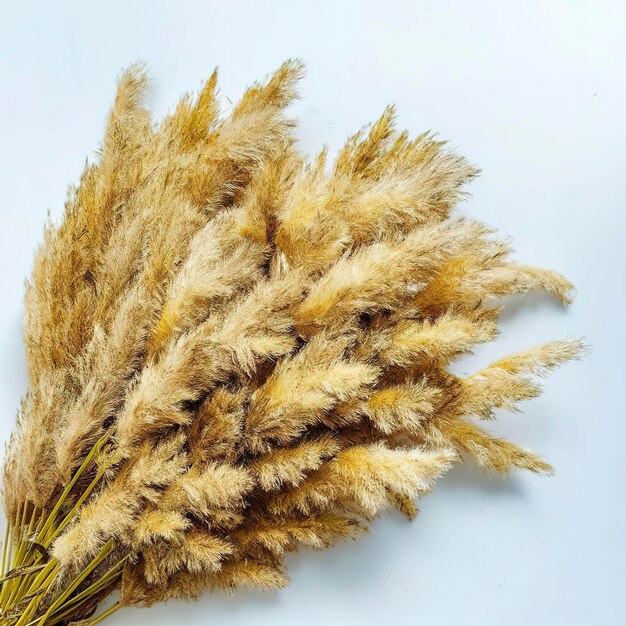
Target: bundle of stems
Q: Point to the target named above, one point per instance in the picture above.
(235, 352)
(33, 572)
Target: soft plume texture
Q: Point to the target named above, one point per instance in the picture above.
(235, 351)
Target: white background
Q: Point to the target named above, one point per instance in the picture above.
(532, 92)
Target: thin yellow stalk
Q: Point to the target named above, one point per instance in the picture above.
(69, 611)
(106, 550)
(42, 586)
(74, 604)
(28, 546)
(106, 579)
(66, 520)
(59, 503)
(6, 560)
(104, 615)
(5, 547)
(28, 579)
(10, 553)
(14, 583)
(18, 516)
(41, 577)
(33, 517)
(14, 545)
(21, 552)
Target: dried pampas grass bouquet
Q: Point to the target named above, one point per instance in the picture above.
(235, 351)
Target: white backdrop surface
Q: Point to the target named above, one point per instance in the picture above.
(535, 94)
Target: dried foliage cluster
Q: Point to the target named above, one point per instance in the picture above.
(234, 352)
